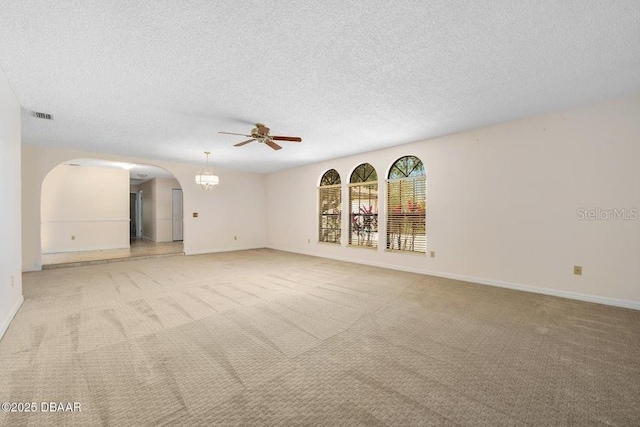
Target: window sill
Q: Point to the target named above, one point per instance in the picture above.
(397, 251)
(371, 248)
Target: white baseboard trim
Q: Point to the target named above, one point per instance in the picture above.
(87, 248)
(634, 305)
(213, 251)
(58, 220)
(9, 318)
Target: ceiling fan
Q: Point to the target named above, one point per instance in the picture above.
(261, 134)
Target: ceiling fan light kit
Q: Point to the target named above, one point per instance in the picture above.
(206, 179)
(261, 134)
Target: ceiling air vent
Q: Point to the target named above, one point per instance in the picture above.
(43, 116)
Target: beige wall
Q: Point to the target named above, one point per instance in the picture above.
(84, 208)
(235, 208)
(10, 249)
(503, 204)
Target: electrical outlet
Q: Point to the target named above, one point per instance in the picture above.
(12, 281)
(433, 254)
(195, 214)
(73, 237)
(235, 237)
(309, 240)
(577, 270)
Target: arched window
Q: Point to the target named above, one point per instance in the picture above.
(363, 202)
(406, 206)
(329, 227)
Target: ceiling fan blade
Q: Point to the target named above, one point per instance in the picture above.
(231, 133)
(287, 138)
(272, 144)
(240, 144)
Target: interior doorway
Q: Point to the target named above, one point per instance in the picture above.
(132, 215)
(135, 214)
(139, 215)
(177, 215)
(110, 222)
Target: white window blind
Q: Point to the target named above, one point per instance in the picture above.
(330, 208)
(406, 214)
(363, 205)
(406, 206)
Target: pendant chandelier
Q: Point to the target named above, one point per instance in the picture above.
(206, 178)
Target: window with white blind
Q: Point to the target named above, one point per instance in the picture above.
(330, 193)
(363, 202)
(406, 206)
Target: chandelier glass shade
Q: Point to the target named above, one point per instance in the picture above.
(206, 179)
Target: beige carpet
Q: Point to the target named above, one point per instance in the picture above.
(270, 338)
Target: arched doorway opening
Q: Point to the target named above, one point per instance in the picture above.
(95, 211)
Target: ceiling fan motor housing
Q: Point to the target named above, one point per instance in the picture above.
(260, 130)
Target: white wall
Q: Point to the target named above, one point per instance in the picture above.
(85, 208)
(10, 249)
(502, 204)
(235, 208)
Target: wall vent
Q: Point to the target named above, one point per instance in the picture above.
(43, 116)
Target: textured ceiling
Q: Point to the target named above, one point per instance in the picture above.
(158, 79)
(138, 173)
